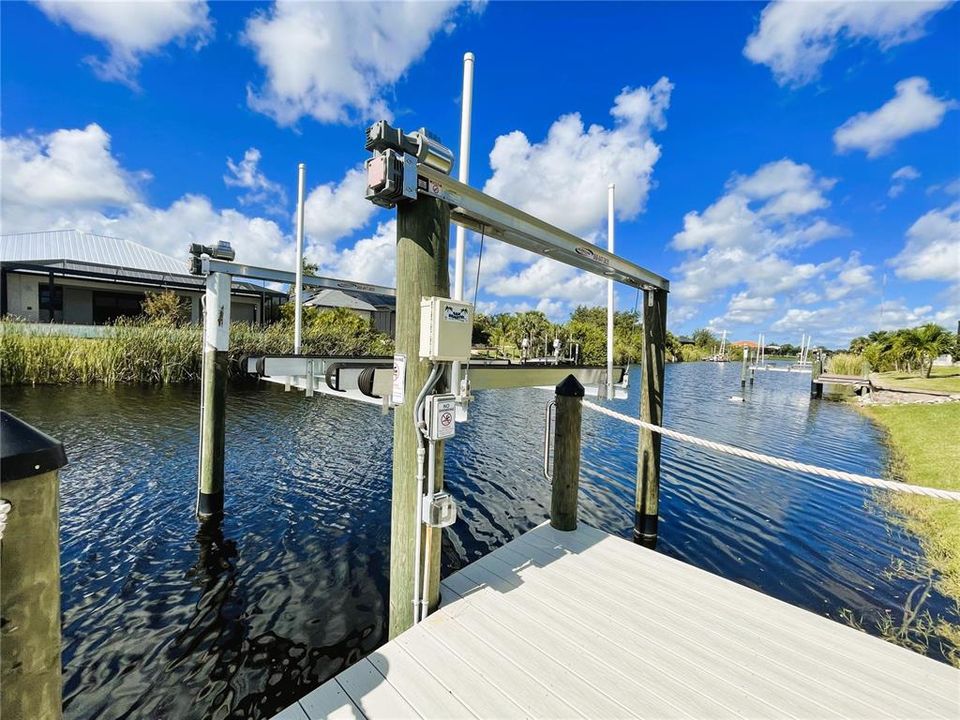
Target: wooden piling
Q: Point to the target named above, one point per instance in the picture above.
(743, 367)
(651, 411)
(816, 370)
(566, 454)
(30, 572)
(213, 395)
(423, 228)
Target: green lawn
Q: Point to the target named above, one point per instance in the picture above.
(923, 439)
(925, 451)
(946, 379)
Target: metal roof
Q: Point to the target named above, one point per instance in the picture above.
(353, 299)
(87, 247)
(72, 252)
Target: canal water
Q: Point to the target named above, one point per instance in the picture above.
(164, 619)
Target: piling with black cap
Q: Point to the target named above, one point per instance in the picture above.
(566, 454)
(30, 462)
(743, 367)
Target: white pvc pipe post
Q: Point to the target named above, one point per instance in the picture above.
(298, 292)
(611, 191)
(463, 175)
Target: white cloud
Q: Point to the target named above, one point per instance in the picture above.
(912, 109)
(247, 175)
(335, 61)
(335, 209)
(370, 260)
(577, 163)
(932, 251)
(132, 30)
(70, 178)
(746, 236)
(747, 309)
(64, 169)
(851, 278)
(795, 39)
(900, 178)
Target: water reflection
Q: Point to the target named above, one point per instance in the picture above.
(238, 619)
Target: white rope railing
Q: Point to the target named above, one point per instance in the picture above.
(780, 462)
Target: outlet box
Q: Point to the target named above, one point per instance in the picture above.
(441, 416)
(446, 329)
(440, 511)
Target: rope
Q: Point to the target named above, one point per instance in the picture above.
(779, 462)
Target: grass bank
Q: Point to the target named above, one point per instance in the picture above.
(157, 353)
(925, 451)
(944, 379)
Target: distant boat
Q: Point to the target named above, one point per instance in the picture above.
(720, 355)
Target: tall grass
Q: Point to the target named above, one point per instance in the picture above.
(847, 364)
(158, 353)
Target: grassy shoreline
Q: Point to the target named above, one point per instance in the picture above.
(924, 451)
(160, 353)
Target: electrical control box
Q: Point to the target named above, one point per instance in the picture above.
(441, 416)
(446, 329)
(439, 511)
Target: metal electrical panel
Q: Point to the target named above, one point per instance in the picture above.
(446, 329)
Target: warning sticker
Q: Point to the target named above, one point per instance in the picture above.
(399, 379)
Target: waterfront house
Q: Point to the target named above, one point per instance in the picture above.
(82, 279)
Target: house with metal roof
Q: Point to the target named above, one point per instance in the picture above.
(79, 278)
(381, 310)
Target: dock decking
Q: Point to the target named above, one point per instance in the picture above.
(583, 624)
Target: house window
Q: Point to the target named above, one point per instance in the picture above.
(43, 292)
(109, 306)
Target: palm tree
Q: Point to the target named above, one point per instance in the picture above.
(925, 344)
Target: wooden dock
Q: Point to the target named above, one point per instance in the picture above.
(854, 380)
(583, 624)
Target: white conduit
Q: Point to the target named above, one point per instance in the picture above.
(780, 462)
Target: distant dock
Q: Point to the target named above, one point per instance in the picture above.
(584, 624)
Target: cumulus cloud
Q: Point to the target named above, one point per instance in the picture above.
(337, 208)
(64, 169)
(247, 175)
(900, 178)
(336, 61)
(574, 162)
(932, 251)
(911, 110)
(745, 246)
(795, 39)
(70, 178)
(132, 30)
(372, 259)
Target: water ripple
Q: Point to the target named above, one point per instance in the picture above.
(162, 619)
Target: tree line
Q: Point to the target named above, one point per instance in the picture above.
(907, 349)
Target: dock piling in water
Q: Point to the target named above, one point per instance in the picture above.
(743, 367)
(566, 464)
(816, 370)
(30, 572)
(651, 411)
(423, 230)
(213, 395)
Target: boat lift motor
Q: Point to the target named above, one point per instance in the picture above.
(392, 170)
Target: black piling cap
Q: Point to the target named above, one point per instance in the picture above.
(25, 451)
(570, 387)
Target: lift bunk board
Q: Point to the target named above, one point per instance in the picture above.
(371, 379)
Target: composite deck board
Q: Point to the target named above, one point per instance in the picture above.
(582, 624)
(778, 621)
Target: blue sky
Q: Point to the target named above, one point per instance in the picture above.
(777, 162)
